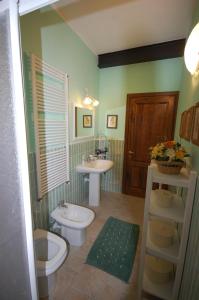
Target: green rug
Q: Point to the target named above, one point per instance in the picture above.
(115, 247)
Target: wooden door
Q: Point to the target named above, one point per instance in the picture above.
(150, 118)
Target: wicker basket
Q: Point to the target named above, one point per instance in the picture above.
(170, 167)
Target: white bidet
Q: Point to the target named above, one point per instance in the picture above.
(74, 220)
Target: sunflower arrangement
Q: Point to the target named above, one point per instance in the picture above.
(170, 151)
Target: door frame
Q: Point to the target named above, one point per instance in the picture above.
(137, 95)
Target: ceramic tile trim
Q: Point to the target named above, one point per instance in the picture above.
(189, 286)
(77, 191)
(112, 180)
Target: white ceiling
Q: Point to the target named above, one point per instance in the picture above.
(112, 25)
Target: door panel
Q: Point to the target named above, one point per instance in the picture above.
(150, 119)
(136, 177)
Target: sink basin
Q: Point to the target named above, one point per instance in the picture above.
(95, 166)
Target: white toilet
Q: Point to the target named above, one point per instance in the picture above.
(51, 252)
(74, 220)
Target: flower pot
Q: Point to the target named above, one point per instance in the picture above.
(169, 167)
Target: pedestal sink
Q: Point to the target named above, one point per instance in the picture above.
(94, 168)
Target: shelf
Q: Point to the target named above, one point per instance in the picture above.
(179, 212)
(181, 179)
(171, 253)
(163, 291)
(174, 213)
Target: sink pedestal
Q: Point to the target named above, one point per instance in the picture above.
(94, 189)
(94, 168)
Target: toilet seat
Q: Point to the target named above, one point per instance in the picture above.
(47, 267)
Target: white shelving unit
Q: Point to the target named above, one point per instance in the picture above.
(180, 213)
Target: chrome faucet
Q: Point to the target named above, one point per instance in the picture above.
(88, 158)
(62, 204)
(92, 157)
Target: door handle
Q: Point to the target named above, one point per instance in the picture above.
(131, 152)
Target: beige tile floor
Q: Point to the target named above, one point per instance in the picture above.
(79, 281)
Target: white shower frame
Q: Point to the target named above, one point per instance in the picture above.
(17, 8)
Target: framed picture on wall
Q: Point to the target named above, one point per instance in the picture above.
(187, 124)
(112, 121)
(182, 124)
(87, 121)
(195, 130)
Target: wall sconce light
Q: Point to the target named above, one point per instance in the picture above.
(95, 102)
(191, 52)
(90, 100)
(87, 100)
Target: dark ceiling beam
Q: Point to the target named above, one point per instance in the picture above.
(153, 52)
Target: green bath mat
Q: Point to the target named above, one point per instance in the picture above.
(115, 247)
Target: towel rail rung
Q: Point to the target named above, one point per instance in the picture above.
(41, 86)
(53, 181)
(44, 67)
(50, 94)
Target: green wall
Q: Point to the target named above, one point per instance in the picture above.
(116, 82)
(189, 96)
(45, 34)
(81, 130)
